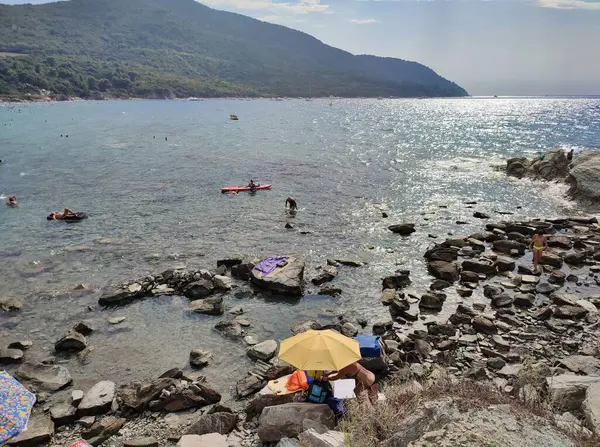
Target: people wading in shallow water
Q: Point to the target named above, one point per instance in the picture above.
(293, 206)
(538, 245)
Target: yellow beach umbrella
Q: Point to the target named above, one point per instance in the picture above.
(319, 350)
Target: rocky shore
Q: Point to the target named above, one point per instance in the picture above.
(581, 173)
(536, 337)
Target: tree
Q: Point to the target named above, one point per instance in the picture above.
(92, 84)
(104, 85)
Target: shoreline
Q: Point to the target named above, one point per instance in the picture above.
(478, 342)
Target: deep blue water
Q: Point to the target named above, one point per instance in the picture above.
(156, 203)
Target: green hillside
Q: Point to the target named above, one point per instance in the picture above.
(164, 48)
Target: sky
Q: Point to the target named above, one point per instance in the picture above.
(489, 47)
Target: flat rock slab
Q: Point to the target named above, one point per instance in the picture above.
(39, 431)
(148, 441)
(208, 440)
(264, 351)
(568, 391)
(98, 399)
(44, 377)
(221, 423)
(585, 364)
(330, 438)
(286, 280)
(286, 421)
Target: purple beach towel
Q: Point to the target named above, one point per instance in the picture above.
(269, 264)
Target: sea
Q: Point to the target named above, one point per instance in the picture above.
(149, 175)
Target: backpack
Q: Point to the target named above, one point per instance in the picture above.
(318, 392)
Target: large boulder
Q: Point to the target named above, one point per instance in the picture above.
(442, 253)
(98, 400)
(286, 280)
(552, 260)
(222, 423)
(264, 351)
(448, 271)
(553, 166)
(568, 391)
(40, 430)
(591, 408)
(209, 306)
(44, 377)
(286, 421)
(584, 176)
(256, 406)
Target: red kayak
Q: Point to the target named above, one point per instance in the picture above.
(244, 188)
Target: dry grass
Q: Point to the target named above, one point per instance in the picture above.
(369, 425)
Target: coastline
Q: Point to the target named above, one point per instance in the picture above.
(478, 341)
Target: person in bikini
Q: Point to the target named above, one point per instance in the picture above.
(538, 245)
(365, 380)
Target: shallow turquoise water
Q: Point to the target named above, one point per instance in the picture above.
(156, 203)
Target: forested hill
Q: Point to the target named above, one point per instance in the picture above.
(166, 48)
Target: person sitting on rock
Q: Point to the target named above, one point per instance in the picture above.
(365, 380)
(538, 245)
(292, 202)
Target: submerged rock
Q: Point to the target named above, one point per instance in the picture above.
(209, 306)
(230, 328)
(72, 342)
(199, 289)
(200, 358)
(403, 229)
(44, 377)
(10, 304)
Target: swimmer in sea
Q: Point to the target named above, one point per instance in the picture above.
(292, 203)
(538, 245)
(12, 202)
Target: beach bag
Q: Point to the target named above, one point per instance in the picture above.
(318, 392)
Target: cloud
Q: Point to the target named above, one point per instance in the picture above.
(555, 4)
(570, 4)
(276, 8)
(364, 21)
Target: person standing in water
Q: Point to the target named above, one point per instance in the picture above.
(538, 245)
(292, 202)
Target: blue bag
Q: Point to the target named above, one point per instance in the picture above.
(369, 346)
(318, 392)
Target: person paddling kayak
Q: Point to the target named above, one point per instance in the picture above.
(292, 202)
(252, 185)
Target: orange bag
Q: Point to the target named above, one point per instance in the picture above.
(297, 381)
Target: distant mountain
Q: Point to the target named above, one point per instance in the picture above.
(165, 48)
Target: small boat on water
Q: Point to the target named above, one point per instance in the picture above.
(233, 117)
(244, 188)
